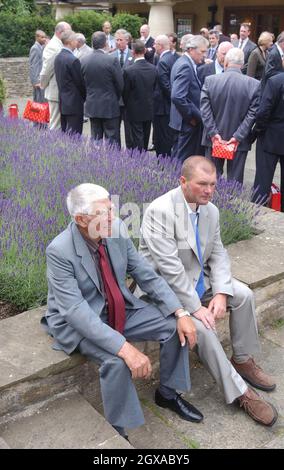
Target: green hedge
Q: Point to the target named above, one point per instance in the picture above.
(17, 32)
(87, 22)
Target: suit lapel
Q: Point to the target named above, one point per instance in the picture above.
(182, 214)
(86, 258)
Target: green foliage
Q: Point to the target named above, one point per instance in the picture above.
(131, 23)
(17, 32)
(2, 91)
(19, 7)
(87, 22)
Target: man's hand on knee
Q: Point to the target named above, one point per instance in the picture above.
(138, 363)
(186, 330)
(206, 316)
(218, 306)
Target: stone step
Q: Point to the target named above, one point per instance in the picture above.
(68, 422)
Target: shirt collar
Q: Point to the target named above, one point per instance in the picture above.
(139, 58)
(192, 61)
(280, 51)
(190, 211)
(218, 67)
(161, 55)
(67, 49)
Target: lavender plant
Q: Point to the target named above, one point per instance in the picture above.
(38, 168)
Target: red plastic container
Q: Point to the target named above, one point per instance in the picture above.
(13, 111)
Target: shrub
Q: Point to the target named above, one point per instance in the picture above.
(2, 90)
(38, 168)
(17, 32)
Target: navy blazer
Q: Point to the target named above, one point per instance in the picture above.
(205, 70)
(185, 95)
(273, 64)
(138, 94)
(162, 93)
(70, 81)
(149, 55)
(270, 116)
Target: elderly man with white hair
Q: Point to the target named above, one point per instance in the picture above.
(91, 309)
(185, 117)
(47, 74)
(229, 102)
(82, 48)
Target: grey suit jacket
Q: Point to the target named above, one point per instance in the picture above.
(75, 301)
(35, 62)
(247, 50)
(168, 243)
(228, 106)
(104, 82)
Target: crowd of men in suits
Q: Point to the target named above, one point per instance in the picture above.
(185, 96)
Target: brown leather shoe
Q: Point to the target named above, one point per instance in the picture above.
(257, 408)
(254, 375)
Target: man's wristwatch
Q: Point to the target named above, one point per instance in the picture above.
(185, 313)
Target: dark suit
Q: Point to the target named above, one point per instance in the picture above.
(139, 84)
(273, 64)
(223, 38)
(185, 107)
(249, 47)
(104, 82)
(149, 55)
(35, 63)
(270, 145)
(205, 70)
(220, 95)
(77, 317)
(162, 104)
(72, 91)
(127, 61)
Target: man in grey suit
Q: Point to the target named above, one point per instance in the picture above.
(219, 95)
(91, 309)
(181, 239)
(82, 48)
(104, 82)
(245, 44)
(35, 62)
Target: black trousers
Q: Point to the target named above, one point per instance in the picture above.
(163, 135)
(235, 167)
(105, 128)
(140, 133)
(72, 123)
(265, 163)
(187, 143)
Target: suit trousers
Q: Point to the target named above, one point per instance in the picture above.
(38, 95)
(244, 338)
(72, 123)
(55, 117)
(265, 168)
(120, 400)
(127, 128)
(235, 167)
(140, 133)
(105, 128)
(187, 143)
(163, 135)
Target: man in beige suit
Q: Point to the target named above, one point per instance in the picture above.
(181, 239)
(47, 75)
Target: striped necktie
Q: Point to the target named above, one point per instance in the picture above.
(200, 286)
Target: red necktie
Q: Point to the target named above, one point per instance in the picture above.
(115, 300)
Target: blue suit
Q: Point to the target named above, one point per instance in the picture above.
(77, 317)
(185, 117)
(162, 104)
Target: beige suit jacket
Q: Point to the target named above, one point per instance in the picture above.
(47, 75)
(168, 243)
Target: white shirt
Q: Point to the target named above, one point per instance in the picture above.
(243, 44)
(218, 67)
(280, 51)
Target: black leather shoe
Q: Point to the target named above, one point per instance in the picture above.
(183, 408)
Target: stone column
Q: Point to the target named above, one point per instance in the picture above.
(161, 20)
(63, 9)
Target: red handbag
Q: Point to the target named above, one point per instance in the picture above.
(275, 198)
(223, 150)
(36, 112)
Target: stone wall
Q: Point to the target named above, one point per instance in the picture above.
(15, 71)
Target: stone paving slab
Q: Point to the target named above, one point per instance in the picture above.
(66, 423)
(224, 426)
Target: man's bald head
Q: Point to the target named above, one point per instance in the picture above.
(196, 162)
